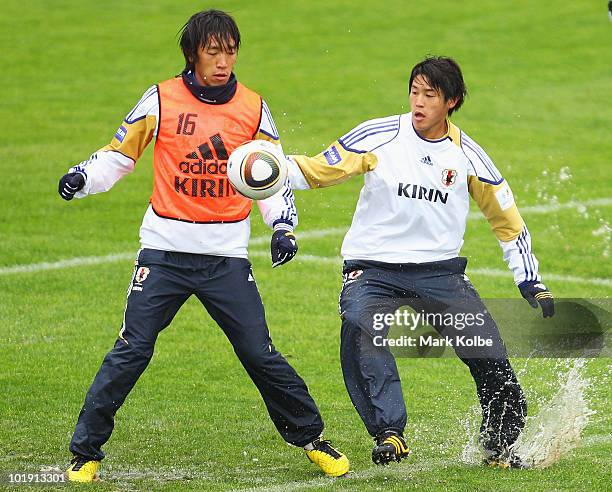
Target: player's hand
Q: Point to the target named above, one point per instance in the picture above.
(537, 293)
(283, 247)
(69, 184)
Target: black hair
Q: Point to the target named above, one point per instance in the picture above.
(442, 74)
(204, 26)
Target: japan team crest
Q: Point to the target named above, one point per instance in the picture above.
(449, 176)
(350, 277)
(141, 274)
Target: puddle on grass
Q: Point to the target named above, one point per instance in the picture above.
(554, 431)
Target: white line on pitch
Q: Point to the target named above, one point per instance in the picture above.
(97, 260)
(555, 207)
(312, 234)
(486, 272)
(70, 262)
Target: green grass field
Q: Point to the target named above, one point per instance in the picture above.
(539, 79)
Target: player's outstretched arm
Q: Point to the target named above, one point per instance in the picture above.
(332, 166)
(109, 164)
(496, 201)
(350, 155)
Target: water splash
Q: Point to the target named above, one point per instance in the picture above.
(472, 452)
(553, 432)
(557, 429)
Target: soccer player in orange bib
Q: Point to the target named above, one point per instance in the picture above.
(194, 239)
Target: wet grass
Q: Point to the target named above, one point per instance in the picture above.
(538, 79)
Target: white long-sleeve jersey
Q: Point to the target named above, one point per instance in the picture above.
(109, 164)
(414, 204)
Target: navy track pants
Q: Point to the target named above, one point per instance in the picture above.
(161, 284)
(370, 371)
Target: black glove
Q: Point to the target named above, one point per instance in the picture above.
(69, 184)
(283, 247)
(536, 292)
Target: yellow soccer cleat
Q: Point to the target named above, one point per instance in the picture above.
(390, 446)
(504, 459)
(329, 459)
(83, 470)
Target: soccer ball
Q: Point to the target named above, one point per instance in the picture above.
(257, 169)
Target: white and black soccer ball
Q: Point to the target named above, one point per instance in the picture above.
(257, 169)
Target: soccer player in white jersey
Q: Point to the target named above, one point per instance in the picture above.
(403, 249)
(194, 239)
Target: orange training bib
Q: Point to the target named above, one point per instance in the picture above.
(194, 141)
